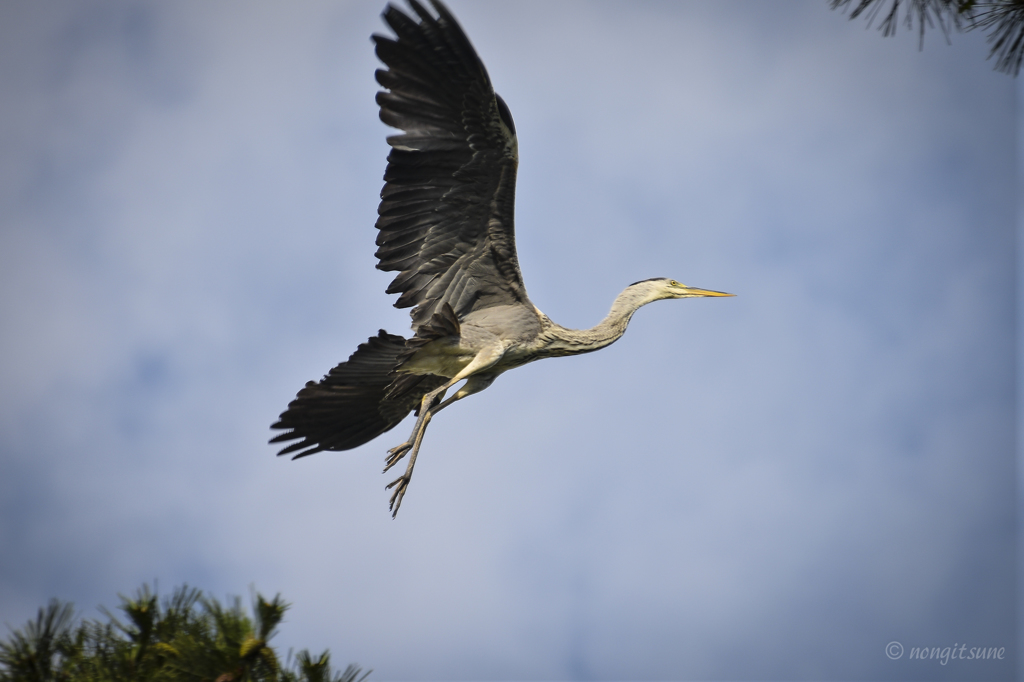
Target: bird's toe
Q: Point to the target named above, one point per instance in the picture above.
(402, 483)
(395, 454)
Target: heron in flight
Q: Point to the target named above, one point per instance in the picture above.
(445, 226)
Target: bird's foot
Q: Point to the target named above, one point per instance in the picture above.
(395, 454)
(396, 498)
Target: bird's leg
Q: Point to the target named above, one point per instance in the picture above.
(474, 384)
(403, 481)
(427, 411)
(398, 452)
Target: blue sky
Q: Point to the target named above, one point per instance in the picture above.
(773, 486)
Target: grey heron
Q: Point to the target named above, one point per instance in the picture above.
(445, 226)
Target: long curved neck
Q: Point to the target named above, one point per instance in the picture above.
(559, 340)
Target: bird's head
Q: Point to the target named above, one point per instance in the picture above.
(658, 288)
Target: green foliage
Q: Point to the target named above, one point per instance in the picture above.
(31, 652)
(308, 669)
(1003, 20)
(187, 638)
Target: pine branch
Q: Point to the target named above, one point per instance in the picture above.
(1003, 21)
(1005, 24)
(187, 638)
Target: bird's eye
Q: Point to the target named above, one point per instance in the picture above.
(675, 284)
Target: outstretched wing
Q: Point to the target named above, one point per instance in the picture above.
(353, 404)
(446, 210)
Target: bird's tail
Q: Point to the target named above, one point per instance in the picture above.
(349, 406)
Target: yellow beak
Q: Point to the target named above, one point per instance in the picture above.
(692, 291)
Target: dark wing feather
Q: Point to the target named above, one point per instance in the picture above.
(446, 210)
(348, 407)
